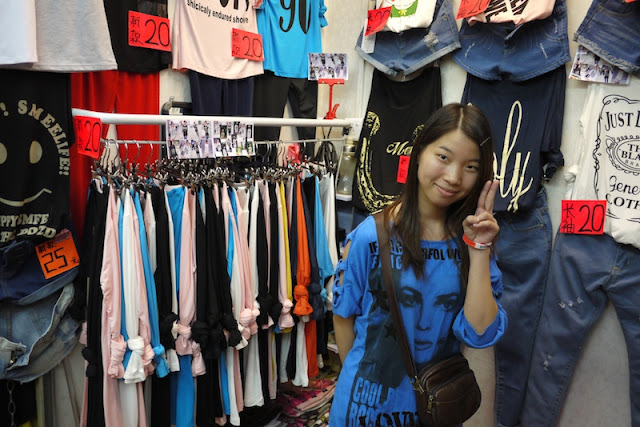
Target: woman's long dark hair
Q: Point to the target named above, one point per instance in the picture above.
(404, 210)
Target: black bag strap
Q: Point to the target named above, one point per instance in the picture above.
(385, 261)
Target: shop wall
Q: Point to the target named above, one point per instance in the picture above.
(599, 391)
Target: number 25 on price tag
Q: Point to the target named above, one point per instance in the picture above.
(247, 45)
(583, 216)
(58, 254)
(88, 132)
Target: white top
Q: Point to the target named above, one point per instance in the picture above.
(201, 37)
(71, 35)
(18, 32)
(609, 163)
(406, 14)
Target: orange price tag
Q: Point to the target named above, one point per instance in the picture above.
(471, 7)
(88, 131)
(247, 45)
(149, 31)
(377, 19)
(58, 254)
(583, 216)
(403, 169)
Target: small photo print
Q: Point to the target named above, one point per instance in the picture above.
(328, 66)
(590, 67)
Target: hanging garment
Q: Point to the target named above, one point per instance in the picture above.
(382, 141)
(518, 12)
(65, 41)
(526, 122)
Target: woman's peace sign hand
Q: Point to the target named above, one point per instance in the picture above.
(482, 227)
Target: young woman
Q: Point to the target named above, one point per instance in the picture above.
(446, 286)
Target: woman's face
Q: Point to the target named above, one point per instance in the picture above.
(448, 169)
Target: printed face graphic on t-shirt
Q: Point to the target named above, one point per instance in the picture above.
(381, 372)
(34, 163)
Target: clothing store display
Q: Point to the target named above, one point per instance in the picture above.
(383, 141)
(607, 168)
(212, 96)
(518, 12)
(412, 49)
(18, 24)
(36, 136)
(526, 121)
(407, 14)
(446, 390)
(112, 91)
(497, 51)
(289, 34)
(133, 58)
(578, 290)
(194, 26)
(610, 30)
(373, 385)
(270, 96)
(70, 37)
(524, 252)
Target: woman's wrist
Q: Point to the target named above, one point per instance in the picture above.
(476, 245)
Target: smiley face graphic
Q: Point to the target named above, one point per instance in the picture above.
(29, 160)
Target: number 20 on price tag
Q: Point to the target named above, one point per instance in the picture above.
(88, 132)
(583, 216)
(247, 45)
(149, 31)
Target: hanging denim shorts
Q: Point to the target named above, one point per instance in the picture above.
(410, 50)
(505, 51)
(35, 337)
(21, 276)
(611, 30)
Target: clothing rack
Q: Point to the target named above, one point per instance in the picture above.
(159, 119)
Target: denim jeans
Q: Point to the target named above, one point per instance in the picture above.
(21, 276)
(585, 271)
(611, 29)
(504, 51)
(410, 50)
(35, 337)
(524, 249)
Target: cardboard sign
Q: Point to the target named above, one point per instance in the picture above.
(58, 254)
(247, 45)
(583, 216)
(88, 132)
(149, 31)
(403, 169)
(377, 19)
(471, 8)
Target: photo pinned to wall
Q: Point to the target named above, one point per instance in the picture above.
(328, 66)
(589, 67)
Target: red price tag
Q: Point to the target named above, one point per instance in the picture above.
(247, 45)
(583, 216)
(403, 169)
(377, 19)
(58, 254)
(88, 131)
(149, 31)
(471, 7)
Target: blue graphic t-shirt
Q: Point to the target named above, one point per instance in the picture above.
(373, 387)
